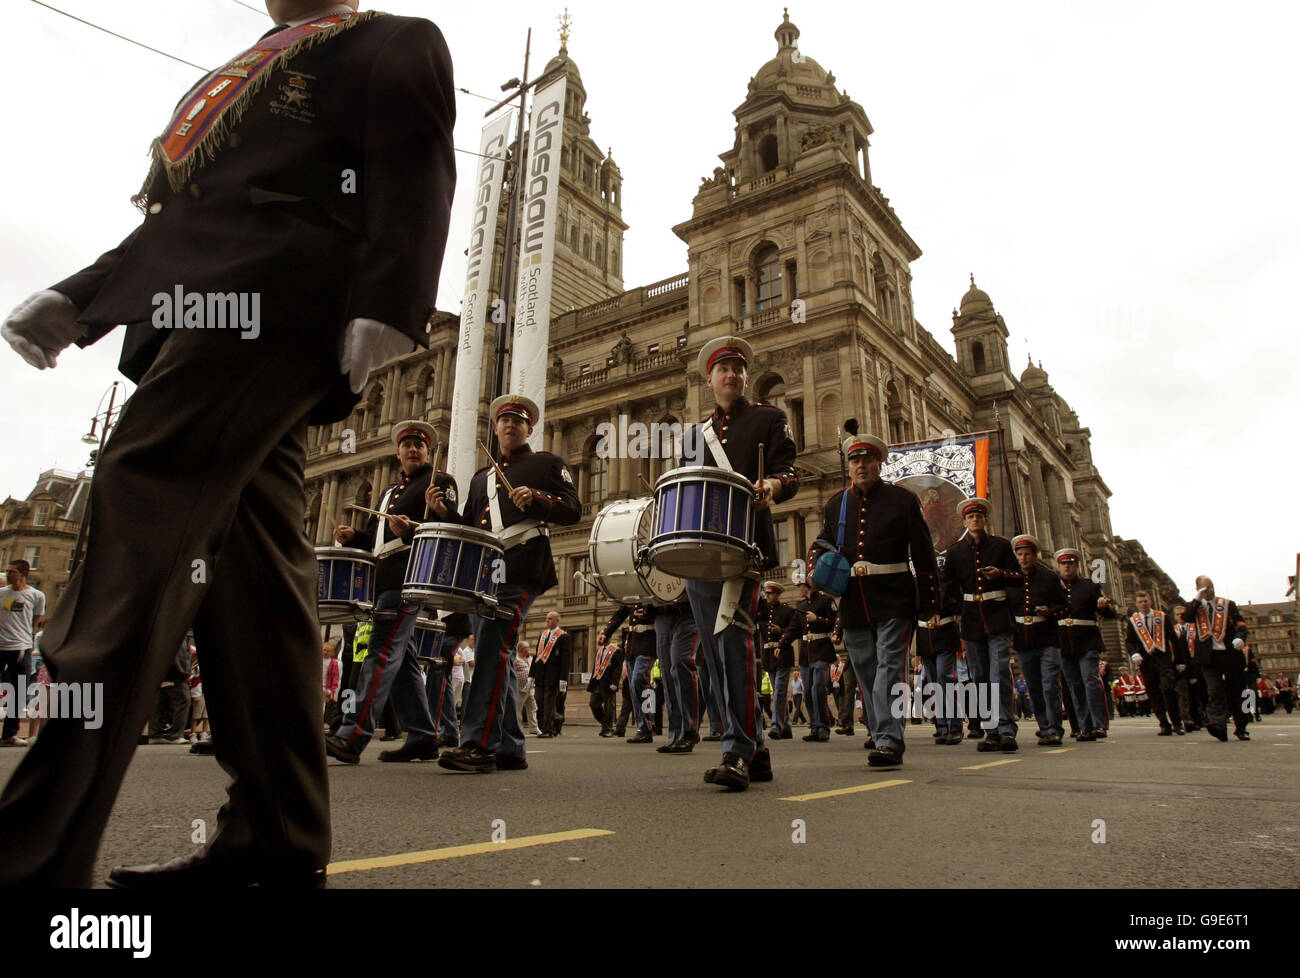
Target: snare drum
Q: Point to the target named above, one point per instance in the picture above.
(703, 524)
(616, 553)
(428, 636)
(345, 585)
(451, 568)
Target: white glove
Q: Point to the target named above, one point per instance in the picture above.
(1180, 668)
(564, 686)
(366, 344)
(1137, 659)
(1238, 644)
(613, 688)
(42, 327)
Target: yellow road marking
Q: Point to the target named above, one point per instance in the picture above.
(1063, 750)
(455, 852)
(844, 791)
(981, 767)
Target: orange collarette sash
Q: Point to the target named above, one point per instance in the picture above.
(603, 659)
(1148, 640)
(545, 645)
(1219, 628)
(837, 670)
(215, 105)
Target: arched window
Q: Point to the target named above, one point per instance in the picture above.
(597, 476)
(573, 236)
(374, 407)
(977, 354)
(430, 391)
(600, 254)
(768, 153)
(586, 246)
(613, 261)
(894, 405)
(767, 273)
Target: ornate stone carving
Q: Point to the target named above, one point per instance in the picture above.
(815, 136)
(555, 375)
(622, 350)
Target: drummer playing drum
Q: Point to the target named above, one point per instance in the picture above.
(391, 667)
(724, 610)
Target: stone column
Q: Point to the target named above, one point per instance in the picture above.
(727, 305)
(612, 464)
(1061, 528)
(377, 484)
(811, 424)
(801, 253)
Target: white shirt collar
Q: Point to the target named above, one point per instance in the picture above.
(326, 11)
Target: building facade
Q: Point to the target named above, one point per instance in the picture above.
(1274, 637)
(790, 245)
(42, 530)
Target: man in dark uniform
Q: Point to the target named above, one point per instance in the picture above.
(438, 683)
(390, 668)
(877, 527)
(1081, 644)
(1220, 634)
(774, 619)
(844, 687)
(982, 565)
(1037, 601)
(642, 647)
(724, 611)
(938, 641)
(1152, 643)
(1187, 672)
(248, 219)
(550, 672)
(603, 686)
(678, 641)
(541, 493)
(812, 623)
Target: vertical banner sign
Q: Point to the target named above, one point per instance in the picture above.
(942, 474)
(537, 252)
(462, 449)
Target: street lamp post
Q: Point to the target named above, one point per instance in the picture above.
(90, 439)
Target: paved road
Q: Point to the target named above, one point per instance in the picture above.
(1181, 812)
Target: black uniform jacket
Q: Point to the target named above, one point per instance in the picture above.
(273, 214)
(980, 619)
(740, 431)
(813, 650)
(1039, 587)
(557, 664)
(1235, 628)
(1133, 642)
(1081, 602)
(884, 525)
(613, 669)
(947, 637)
(641, 639)
(530, 564)
(772, 622)
(406, 500)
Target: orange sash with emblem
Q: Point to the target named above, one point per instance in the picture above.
(1149, 641)
(547, 643)
(1204, 629)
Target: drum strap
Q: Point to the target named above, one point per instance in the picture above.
(510, 536)
(494, 507)
(715, 447)
(729, 612)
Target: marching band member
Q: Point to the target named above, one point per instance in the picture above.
(1219, 635)
(390, 668)
(939, 645)
(1187, 672)
(844, 687)
(1081, 643)
(1152, 643)
(542, 493)
(642, 647)
(877, 527)
(603, 686)
(550, 673)
(724, 611)
(812, 623)
(977, 563)
(1037, 601)
(773, 620)
(677, 640)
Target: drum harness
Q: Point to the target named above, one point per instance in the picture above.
(729, 612)
(519, 533)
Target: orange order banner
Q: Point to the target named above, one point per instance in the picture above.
(942, 474)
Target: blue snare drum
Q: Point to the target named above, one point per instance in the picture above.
(703, 524)
(451, 568)
(345, 585)
(428, 637)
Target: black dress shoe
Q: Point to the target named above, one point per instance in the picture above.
(198, 869)
(1086, 737)
(732, 773)
(1008, 744)
(712, 736)
(1049, 740)
(509, 762)
(666, 748)
(1178, 729)
(607, 733)
(1165, 731)
(953, 739)
(884, 757)
(544, 735)
(760, 768)
(428, 751)
(642, 737)
(992, 741)
(869, 744)
(203, 747)
(975, 734)
(341, 750)
(1241, 734)
(472, 758)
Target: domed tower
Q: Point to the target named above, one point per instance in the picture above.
(590, 228)
(981, 336)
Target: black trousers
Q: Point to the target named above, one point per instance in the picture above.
(604, 705)
(9, 671)
(197, 516)
(1225, 682)
(625, 713)
(173, 711)
(1168, 696)
(547, 688)
(844, 695)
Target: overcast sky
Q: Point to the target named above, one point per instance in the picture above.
(1120, 177)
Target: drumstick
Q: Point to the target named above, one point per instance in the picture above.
(327, 512)
(500, 475)
(759, 480)
(433, 477)
(374, 512)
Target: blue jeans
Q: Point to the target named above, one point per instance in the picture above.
(878, 652)
(818, 674)
(676, 638)
(1042, 669)
(1085, 689)
(989, 662)
(780, 690)
(390, 669)
(638, 681)
(730, 655)
(492, 707)
(939, 674)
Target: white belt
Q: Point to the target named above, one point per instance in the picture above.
(642, 628)
(1071, 622)
(521, 532)
(924, 623)
(1032, 620)
(391, 547)
(986, 596)
(817, 637)
(865, 568)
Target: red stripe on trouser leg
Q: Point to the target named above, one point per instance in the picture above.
(501, 667)
(752, 698)
(379, 671)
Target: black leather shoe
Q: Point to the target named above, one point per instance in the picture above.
(427, 751)
(666, 748)
(341, 750)
(205, 747)
(760, 768)
(642, 738)
(509, 762)
(712, 737)
(1008, 744)
(544, 735)
(990, 742)
(1241, 734)
(732, 773)
(869, 744)
(447, 742)
(1099, 735)
(953, 739)
(473, 759)
(197, 869)
(975, 735)
(884, 757)
(1049, 740)
(1087, 736)
(1178, 729)
(607, 733)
